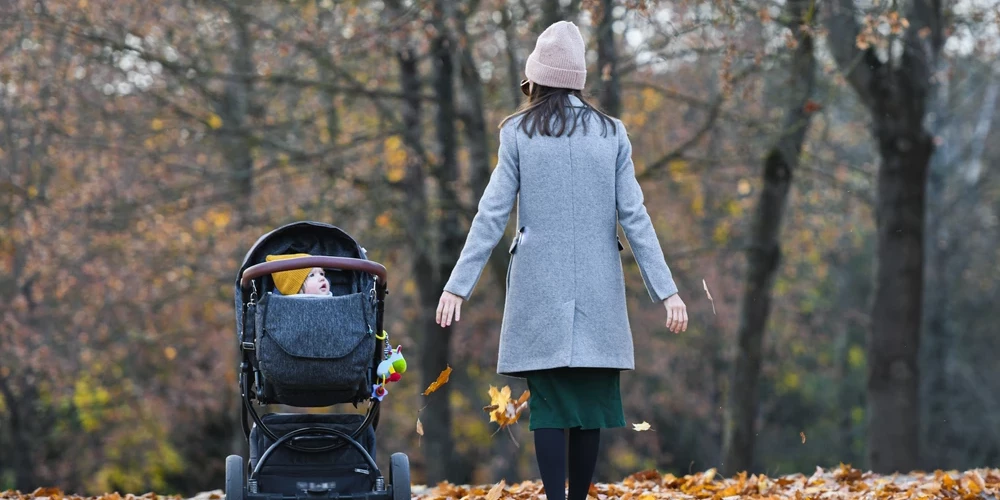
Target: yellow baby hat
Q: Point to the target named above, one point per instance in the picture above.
(289, 282)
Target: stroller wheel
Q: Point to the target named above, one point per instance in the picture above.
(235, 480)
(399, 476)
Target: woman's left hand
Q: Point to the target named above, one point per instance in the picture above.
(450, 306)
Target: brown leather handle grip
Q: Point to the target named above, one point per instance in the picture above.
(345, 263)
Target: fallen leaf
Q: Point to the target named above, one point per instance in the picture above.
(420, 427)
(496, 490)
(441, 380)
(803, 436)
(643, 426)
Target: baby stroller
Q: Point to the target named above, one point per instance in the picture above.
(311, 351)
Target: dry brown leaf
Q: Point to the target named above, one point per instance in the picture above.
(802, 435)
(496, 490)
(441, 380)
(420, 427)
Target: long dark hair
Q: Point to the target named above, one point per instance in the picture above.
(549, 111)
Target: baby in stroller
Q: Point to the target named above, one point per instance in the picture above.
(312, 354)
(300, 281)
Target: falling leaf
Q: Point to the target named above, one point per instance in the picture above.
(420, 427)
(803, 436)
(156, 124)
(441, 380)
(496, 490)
(705, 285)
(502, 409)
(170, 353)
(643, 426)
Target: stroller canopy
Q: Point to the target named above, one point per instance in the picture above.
(314, 238)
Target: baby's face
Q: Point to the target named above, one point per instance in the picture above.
(316, 283)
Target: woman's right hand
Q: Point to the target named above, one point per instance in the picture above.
(449, 306)
(677, 316)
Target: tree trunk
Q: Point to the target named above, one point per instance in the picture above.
(438, 441)
(235, 111)
(24, 476)
(607, 62)
(514, 69)
(764, 253)
(553, 11)
(895, 93)
(893, 374)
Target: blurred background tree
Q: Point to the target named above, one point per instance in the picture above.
(145, 146)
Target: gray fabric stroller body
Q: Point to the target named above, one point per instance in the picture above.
(311, 351)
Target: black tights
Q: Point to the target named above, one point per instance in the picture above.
(550, 451)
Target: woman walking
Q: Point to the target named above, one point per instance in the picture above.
(565, 325)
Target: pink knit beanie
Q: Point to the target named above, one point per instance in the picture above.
(559, 58)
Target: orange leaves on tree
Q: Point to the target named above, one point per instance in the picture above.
(441, 380)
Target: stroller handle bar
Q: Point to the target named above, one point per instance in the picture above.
(344, 263)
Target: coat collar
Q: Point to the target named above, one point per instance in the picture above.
(575, 101)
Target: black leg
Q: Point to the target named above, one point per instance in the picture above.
(583, 448)
(550, 451)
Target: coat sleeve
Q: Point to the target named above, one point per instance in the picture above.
(491, 219)
(638, 227)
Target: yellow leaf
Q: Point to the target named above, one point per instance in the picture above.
(647, 496)
(441, 380)
(642, 426)
(170, 353)
(156, 124)
(496, 490)
(383, 220)
(214, 121)
(32, 191)
(395, 174)
(220, 219)
(420, 427)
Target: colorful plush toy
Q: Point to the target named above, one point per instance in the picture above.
(389, 370)
(393, 367)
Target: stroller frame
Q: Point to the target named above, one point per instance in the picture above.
(310, 439)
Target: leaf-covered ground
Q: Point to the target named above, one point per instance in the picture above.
(843, 482)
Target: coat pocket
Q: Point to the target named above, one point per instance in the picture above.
(513, 249)
(517, 240)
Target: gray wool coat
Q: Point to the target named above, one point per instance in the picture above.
(565, 303)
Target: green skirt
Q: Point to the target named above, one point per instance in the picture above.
(568, 398)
